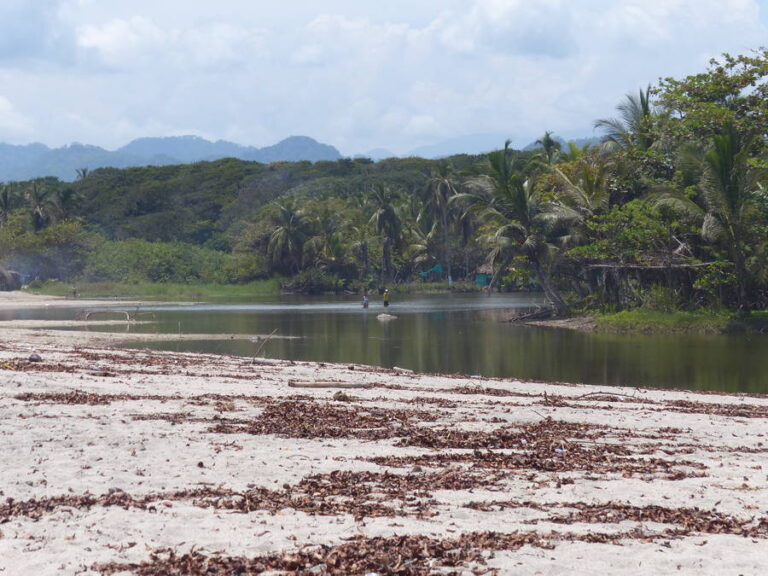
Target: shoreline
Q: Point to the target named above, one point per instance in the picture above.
(115, 457)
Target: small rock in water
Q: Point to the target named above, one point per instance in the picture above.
(35, 357)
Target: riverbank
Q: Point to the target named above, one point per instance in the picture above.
(127, 462)
(660, 323)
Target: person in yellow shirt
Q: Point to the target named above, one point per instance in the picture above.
(386, 298)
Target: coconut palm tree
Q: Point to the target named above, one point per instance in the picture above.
(441, 187)
(729, 188)
(519, 219)
(387, 224)
(728, 204)
(43, 204)
(422, 240)
(635, 126)
(286, 241)
(550, 147)
(583, 192)
(361, 237)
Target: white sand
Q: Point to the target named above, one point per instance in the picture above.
(52, 449)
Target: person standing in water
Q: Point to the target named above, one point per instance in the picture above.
(386, 298)
(365, 300)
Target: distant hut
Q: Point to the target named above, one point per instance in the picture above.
(484, 275)
(433, 274)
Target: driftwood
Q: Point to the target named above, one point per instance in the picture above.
(262, 344)
(604, 394)
(325, 384)
(538, 314)
(269, 361)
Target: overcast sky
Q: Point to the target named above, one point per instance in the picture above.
(357, 74)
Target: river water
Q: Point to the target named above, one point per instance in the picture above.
(459, 333)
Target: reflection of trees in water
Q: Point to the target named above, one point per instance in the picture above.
(387, 355)
(476, 342)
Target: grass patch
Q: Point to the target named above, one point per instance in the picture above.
(678, 322)
(163, 291)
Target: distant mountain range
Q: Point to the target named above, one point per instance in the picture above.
(37, 160)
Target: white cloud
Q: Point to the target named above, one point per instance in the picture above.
(138, 42)
(353, 74)
(124, 42)
(13, 125)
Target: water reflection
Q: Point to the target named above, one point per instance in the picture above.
(462, 334)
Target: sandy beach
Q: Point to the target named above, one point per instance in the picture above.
(157, 463)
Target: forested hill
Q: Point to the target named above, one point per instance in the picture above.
(209, 203)
(38, 160)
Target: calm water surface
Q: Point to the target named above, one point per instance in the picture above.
(460, 334)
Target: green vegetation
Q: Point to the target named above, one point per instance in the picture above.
(667, 215)
(651, 322)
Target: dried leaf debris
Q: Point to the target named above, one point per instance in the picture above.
(421, 454)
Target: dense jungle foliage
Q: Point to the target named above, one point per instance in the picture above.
(669, 211)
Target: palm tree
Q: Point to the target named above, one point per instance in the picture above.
(325, 226)
(359, 247)
(584, 191)
(326, 247)
(43, 204)
(422, 240)
(7, 202)
(635, 126)
(728, 203)
(441, 187)
(550, 147)
(520, 220)
(387, 224)
(286, 241)
(729, 187)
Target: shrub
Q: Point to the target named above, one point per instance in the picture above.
(137, 261)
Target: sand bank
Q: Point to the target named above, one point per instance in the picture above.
(20, 300)
(128, 462)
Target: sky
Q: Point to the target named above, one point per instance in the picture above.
(357, 74)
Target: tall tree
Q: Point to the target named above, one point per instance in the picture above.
(550, 147)
(387, 224)
(730, 203)
(519, 219)
(729, 191)
(733, 91)
(635, 126)
(286, 241)
(43, 204)
(442, 186)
